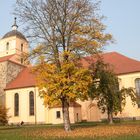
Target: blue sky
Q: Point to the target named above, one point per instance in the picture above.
(123, 21)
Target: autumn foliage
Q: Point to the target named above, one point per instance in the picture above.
(90, 132)
(65, 30)
(71, 82)
(3, 115)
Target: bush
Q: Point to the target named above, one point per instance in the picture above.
(3, 115)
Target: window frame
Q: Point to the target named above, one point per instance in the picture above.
(16, 104)
(137, 86)
(7, 47)
(22, 61)
(31, 103)
(22, 48)
(58, 114)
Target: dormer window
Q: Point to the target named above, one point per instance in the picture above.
(21, 47)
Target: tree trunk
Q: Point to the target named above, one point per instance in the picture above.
(66, 119)
(110, 117)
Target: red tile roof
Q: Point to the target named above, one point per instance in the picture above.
(120, 63)
(6, 58)
(24, 79)
(72, 104)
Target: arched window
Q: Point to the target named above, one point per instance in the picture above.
(7, 46)
(31, 103)
(21, 47)
(16, 105)
(137, 84)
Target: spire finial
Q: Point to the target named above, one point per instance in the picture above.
(14, 26)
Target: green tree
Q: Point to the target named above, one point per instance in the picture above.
(105, 89)
(66, 31)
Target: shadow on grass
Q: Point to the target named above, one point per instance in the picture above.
(10, 127)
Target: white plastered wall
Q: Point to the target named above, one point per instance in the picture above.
(40, 113)
(94, 114)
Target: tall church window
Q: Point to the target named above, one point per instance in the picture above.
(16, 104)
(31, 103)
(137, 84)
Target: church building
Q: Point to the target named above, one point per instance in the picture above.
(19, 93)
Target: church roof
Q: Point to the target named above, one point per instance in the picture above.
(14, 33)
(24, 79)
(121, 65)
(10, 59)
(71, 104)
(6, 58)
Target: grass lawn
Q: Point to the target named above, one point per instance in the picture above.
(83, 131)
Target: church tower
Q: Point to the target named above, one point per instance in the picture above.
(15, 44)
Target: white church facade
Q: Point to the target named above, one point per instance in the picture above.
(19, 93)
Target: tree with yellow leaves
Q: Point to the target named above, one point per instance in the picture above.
(63, 87)
(66, 31)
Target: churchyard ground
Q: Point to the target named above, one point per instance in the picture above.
(81, 131)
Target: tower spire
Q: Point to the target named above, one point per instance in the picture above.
(14, 26)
